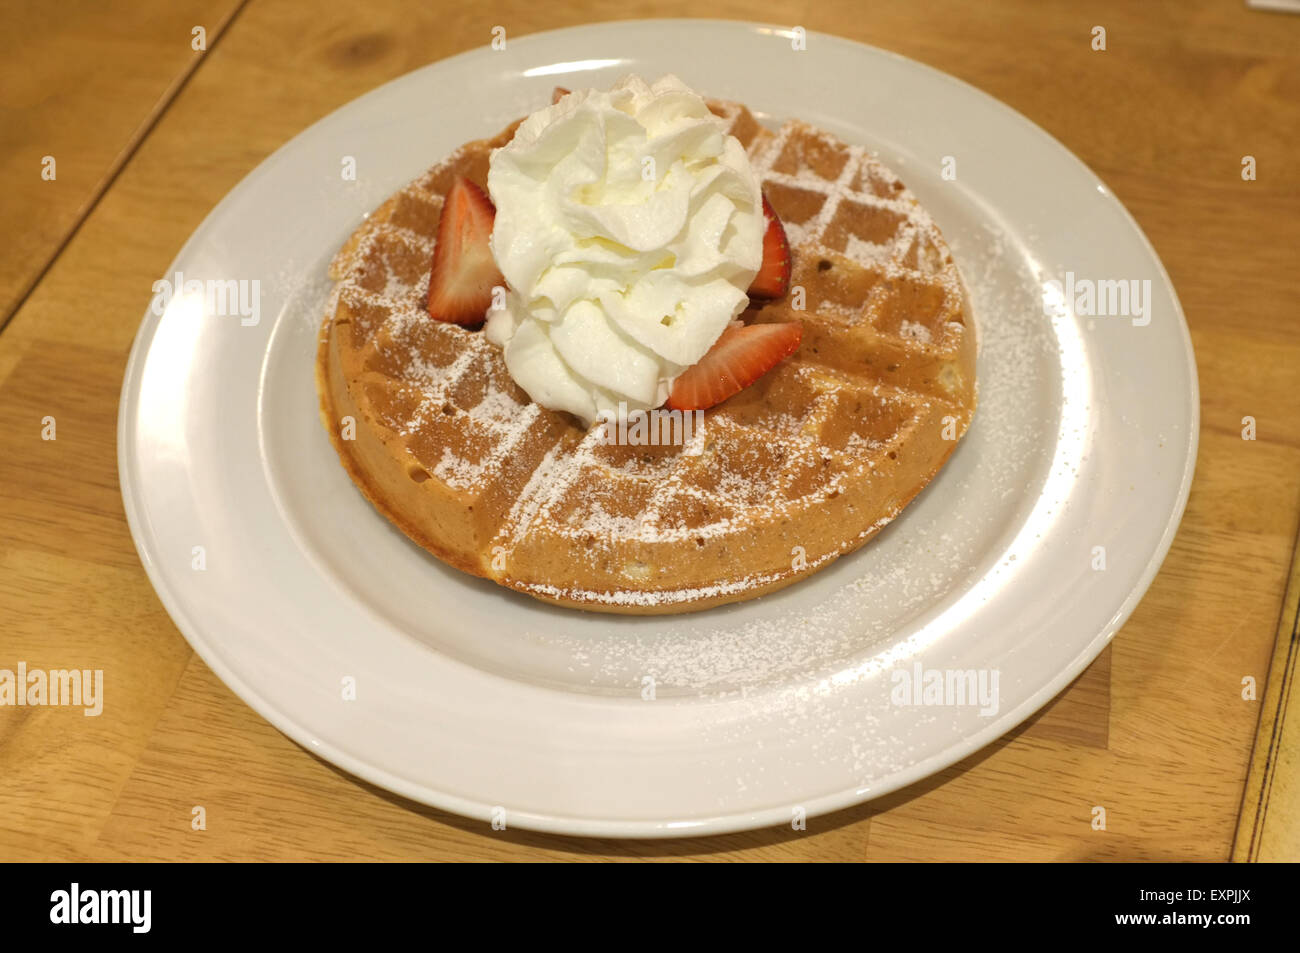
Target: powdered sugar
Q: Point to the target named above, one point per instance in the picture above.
(915, 331)
(748, 475)
(458, 472)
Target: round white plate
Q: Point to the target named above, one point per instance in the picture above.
(483, 702)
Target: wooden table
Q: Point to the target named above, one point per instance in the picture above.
(149, 133)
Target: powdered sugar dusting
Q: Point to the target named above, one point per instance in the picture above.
(742, 476)
(863, 617)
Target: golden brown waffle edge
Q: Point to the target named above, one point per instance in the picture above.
(796, 470)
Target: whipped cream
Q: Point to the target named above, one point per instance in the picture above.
(629, 225)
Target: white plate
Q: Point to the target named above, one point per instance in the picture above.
(474, 699)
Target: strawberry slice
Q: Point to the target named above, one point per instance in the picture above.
(773, 278)
(464, 271)
(557, 94)
(739, 357)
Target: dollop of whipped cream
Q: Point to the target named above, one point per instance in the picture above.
(629, 226)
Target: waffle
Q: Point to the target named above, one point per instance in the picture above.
(794, 471)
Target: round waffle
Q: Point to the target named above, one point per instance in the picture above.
(799, 468)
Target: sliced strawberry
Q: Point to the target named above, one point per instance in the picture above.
(464, 271)
(739, 357)
(559, 93)
(773, 278)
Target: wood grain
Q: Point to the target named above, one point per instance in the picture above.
(81, 82)
(1269, 827)
(1156, 731)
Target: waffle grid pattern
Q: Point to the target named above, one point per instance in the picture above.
(874, 268)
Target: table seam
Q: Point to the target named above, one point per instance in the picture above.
(124, 156)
